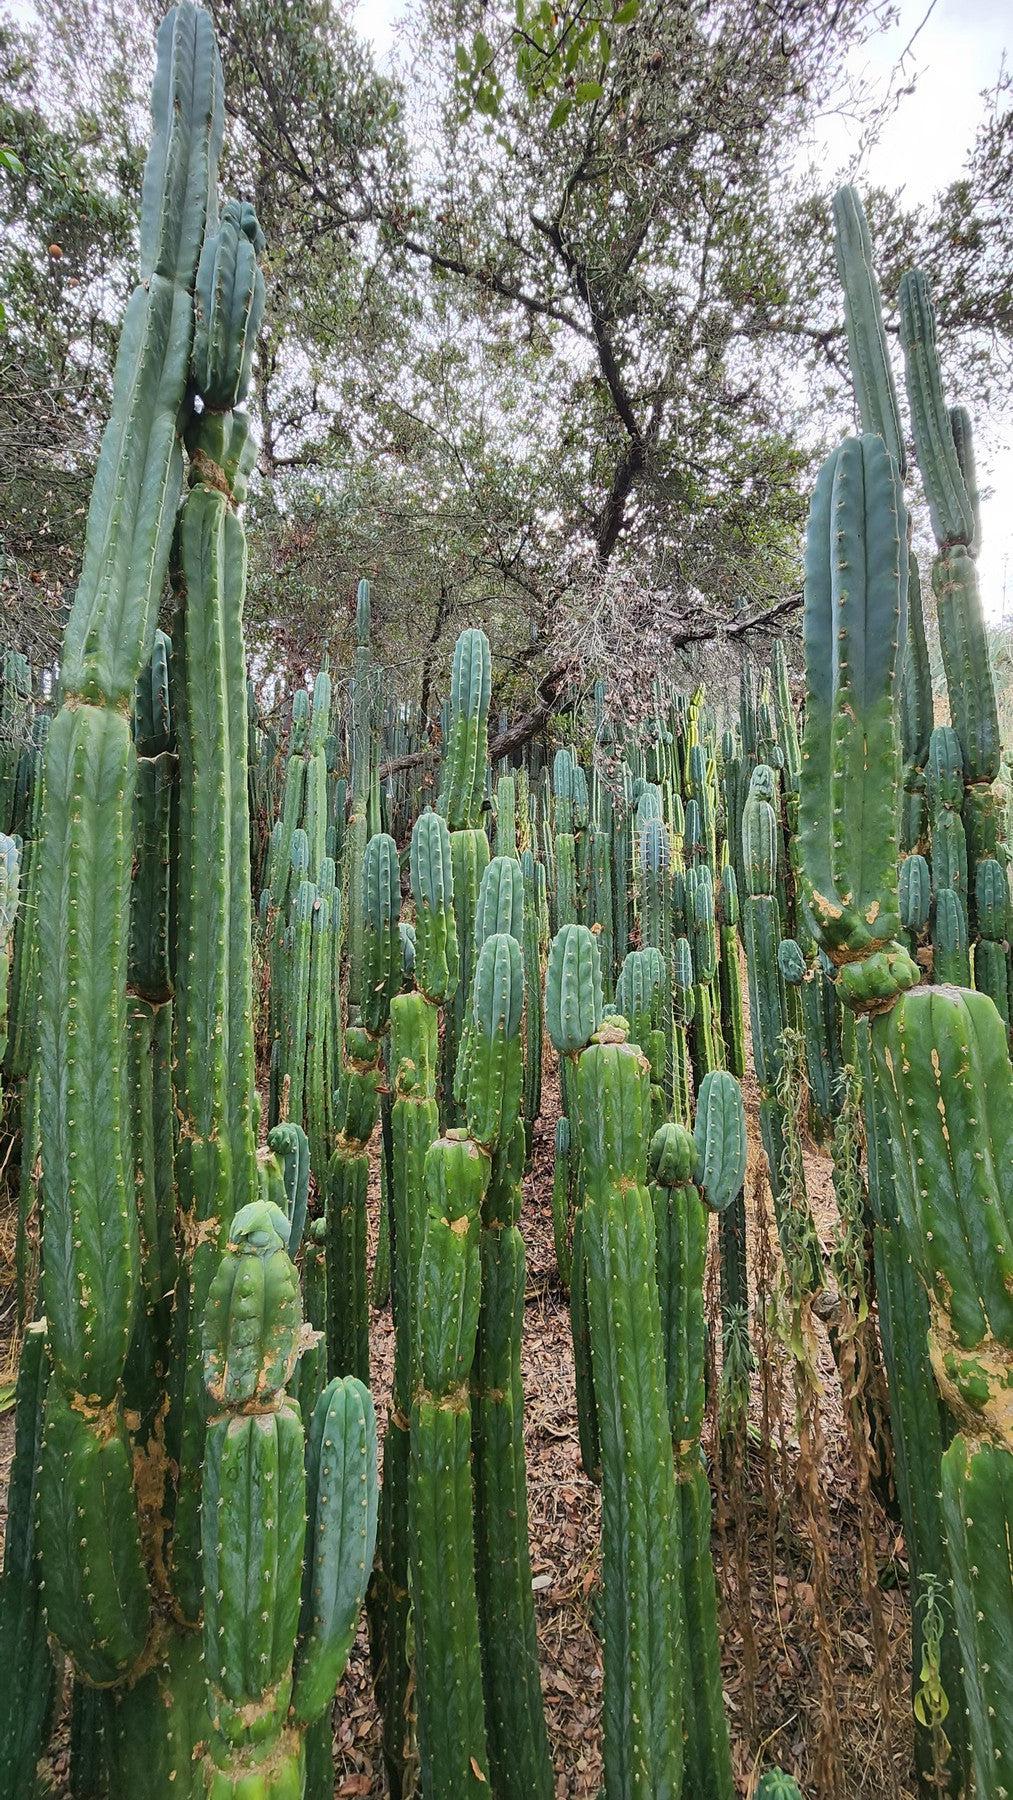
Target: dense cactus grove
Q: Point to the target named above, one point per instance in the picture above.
(283, 1014)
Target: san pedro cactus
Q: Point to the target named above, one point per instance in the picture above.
(97, 1598)
(282, 1597)
(515, 1723)
(213, 1074)
(357, 1110)
(360, 795)
(915, 716)
(10, 871)
(462, 788)
(685, 1171)
(463, 776)
(945, 490)
(449, 1698)
(29, 1669)
(415, 1125)
(573, 1013)
(935, 1152)
(867, 349)
(761, 920)
(437, 960)
(644, 1631)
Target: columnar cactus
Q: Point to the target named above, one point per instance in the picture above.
(287, 1541)
(303, 922)
(920, 1046)
(915, 718)
(490, 1087)
(360, 792)
(573, 1013)
(10, 873)
(519, 1759)
(462, 788)
(761, 919)
(946, 460)
(566, 908)
(357, 1111)
(29, 1669)
(867, 349)
(644, 1629)
(213, 1072)
(414, 1126)
(686, 1171)
(655, 886)
(97, 1595)
(949, 503)
(463, 775)
(535, 947)
(448, 1661)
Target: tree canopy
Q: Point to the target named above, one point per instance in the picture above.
(554, 334)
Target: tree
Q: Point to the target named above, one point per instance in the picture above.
(532, 303)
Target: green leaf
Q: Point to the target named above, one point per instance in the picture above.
(561, 114)
(10, 161)
(463, 59)
(586, 91)
(624, 15)
(482, 49)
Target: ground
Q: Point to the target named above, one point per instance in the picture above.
(814, 1656)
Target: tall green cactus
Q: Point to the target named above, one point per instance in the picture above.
(283, 1593)
(357, 1112)
(451, 1712)
(867, 348)
(360, 785)
(945, 457)
(573, 1013)
(29, 1688)
(515, 1723)
(461, 791)
(686, 1171)
(213, 1075)
(644, 1628)
(463, 776)
(415, 1124)
(856, 571)
(761, 918)
(97, 1598)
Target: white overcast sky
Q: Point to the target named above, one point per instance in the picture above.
(956, 54)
